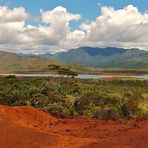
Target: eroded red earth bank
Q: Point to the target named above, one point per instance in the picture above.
(27, 127)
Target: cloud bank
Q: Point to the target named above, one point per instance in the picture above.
(126, 27)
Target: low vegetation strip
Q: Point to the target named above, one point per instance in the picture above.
(63, 97)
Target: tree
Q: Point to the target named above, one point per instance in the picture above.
(62, 71)
(67, 72)
(72, 74)
(53, 67)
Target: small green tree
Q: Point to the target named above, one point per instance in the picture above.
(67, 72)
(62, 71)
(53, 67)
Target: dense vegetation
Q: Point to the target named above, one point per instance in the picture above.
(71, 97)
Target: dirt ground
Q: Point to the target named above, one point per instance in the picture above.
(27, 127)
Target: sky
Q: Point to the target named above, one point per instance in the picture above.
(40, 26)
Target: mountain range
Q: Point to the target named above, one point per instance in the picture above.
(109, 57)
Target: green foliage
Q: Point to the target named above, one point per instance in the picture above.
(58, 110)
(53, 67)
(62, 71)
(130, 104)
(67, 72)
(69, 97)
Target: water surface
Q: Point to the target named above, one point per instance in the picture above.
(80, 76)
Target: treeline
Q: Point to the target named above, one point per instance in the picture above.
(73, 97)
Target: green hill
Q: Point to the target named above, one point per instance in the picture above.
(11, 62)
(77, 59)
(110, 57)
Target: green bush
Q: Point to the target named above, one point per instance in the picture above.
(20, 103)
(130, 104)
(58, 110)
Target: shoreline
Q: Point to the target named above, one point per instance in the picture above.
(93, 74)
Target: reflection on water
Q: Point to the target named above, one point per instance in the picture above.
(83, 76)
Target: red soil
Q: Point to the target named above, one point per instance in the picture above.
(27, 127)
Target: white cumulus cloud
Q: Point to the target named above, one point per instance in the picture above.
(125, 27)
(12, 15)
(122, 27)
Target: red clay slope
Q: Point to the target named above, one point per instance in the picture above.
(27, 127)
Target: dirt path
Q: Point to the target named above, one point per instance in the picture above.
(27, 127)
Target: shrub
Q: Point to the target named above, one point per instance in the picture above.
(130, 104)
(20, 103)
(108, 113)
(58, 110)
(39, 100)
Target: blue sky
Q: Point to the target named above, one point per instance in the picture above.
(120, 23)
(88, 9)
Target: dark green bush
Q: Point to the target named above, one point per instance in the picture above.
(58, 110)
